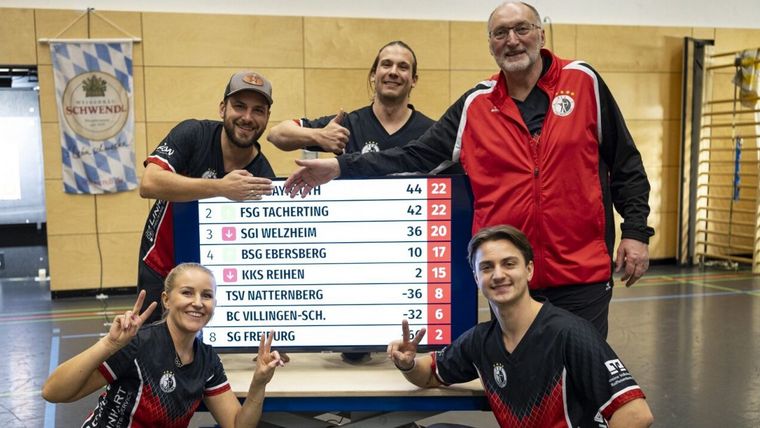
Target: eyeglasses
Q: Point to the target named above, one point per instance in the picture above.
(523, 29)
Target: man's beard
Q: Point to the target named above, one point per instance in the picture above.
(522, 65)
(229, 129)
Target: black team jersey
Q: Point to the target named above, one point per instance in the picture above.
(147, 389)
(193, 149)
(368, 134)
(562, 373)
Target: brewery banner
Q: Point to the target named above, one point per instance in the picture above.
(93, 86)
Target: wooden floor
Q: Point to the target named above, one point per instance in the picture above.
(690, 337)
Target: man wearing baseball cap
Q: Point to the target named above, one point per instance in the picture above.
(202, 159)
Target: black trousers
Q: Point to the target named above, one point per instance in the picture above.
(153, 284)
(588, 301)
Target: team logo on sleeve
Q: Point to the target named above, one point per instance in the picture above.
(563, 104)
(163, 148)
(615, 367)
(499, 375)
(167, 382)
(618, 373)
(370, 146)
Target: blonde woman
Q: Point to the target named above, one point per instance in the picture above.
(158, 375)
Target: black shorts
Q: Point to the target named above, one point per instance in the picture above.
(153, 284)
(589, 301)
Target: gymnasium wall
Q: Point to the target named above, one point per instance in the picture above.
(318, 65)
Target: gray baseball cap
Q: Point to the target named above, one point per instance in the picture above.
(249, 81)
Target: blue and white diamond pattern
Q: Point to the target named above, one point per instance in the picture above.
(95, 167)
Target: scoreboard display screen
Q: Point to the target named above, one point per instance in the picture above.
(338, 270)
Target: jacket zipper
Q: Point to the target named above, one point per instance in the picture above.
(539, 254)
